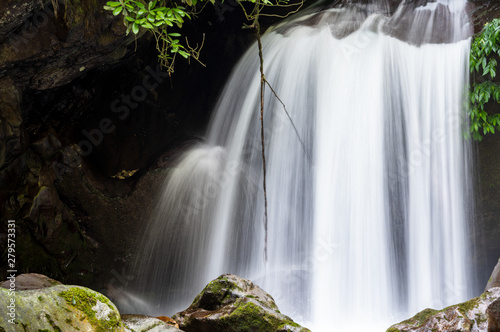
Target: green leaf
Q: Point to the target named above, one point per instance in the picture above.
(117, 11)
(113, 3)
(135, 28)
(184, 54)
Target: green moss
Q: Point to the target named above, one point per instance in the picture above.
(464, 308)
(83, 300)
(393, 329)
(421, 317)
(467, 306)
(40, 299)
(250, 317)
(288, 323)
(246, 318)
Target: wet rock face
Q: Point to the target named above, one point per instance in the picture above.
(43, 46)
(11, 134)
(230, 303)
(478, 314)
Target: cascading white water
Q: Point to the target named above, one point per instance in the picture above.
(367, 199)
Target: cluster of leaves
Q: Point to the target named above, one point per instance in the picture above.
(158, 17)
(484, 49)
(163, 17)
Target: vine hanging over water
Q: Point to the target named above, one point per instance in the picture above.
(253, 16)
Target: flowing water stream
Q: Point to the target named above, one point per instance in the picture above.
(368, 190)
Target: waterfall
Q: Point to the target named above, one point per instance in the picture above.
(367, 181)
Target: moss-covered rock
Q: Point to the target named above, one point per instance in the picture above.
(58, 308)
(230, 303)
(468, 316)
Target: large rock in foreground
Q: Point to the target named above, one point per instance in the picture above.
(479, 314)
(58, 308)
(233, 304)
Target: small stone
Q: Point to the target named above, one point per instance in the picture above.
(141, 323)
(168, 321)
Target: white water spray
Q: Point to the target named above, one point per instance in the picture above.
(367, 210)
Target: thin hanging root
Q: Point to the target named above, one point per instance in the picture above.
(262, 91)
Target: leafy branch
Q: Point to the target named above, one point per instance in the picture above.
(484, 50)
(159, 17)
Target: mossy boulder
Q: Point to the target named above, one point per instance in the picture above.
(230, 303)
(473, 315)
(58, 308)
